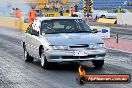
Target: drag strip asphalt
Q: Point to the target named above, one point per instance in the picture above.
(16, 73)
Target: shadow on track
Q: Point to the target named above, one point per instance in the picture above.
(70, 67)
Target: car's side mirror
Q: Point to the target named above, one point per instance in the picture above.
(34, 32)
(95, 31)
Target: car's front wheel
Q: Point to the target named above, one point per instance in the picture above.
(27, 57)
(44, 62)
(96, 18)
(98, 63)
(75, 15)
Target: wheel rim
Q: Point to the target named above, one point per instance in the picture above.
(42, 60)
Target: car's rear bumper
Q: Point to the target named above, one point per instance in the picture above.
(69, 56)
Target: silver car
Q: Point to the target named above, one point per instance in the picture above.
(111, 13)
(62, 39)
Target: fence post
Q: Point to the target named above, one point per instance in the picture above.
(117, 37)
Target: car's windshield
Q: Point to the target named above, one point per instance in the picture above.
(64, 26)
(112, 11)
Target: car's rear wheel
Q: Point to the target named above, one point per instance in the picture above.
(44, 62)
(27, 57)
(98, 63)
(75, 15)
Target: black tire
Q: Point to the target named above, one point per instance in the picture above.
(96, 18)
(27, 57)
(98, 63)
(44, 62)
(75, 15)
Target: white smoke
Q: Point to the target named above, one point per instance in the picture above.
(7, 5)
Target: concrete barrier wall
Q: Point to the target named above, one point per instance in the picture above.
(105, 20)
(124, 18)
(25, 26)
(12, 22)
(9, 22)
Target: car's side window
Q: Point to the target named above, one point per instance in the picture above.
(31, 30)
(46, 25)
(34, 31)
(114, 11)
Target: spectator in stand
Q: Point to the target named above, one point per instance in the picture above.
(53, 4)
(61, 10)
(62, 4)
(71, 11)
(50, 6)
(76, 8)
(44, 6)
(59, 5)
(56, 6)
(47, 7)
